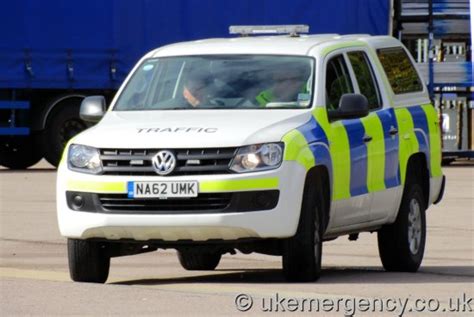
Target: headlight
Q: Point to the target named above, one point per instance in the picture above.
(84, 159)
(258, 157)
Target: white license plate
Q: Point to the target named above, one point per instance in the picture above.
(162, 189)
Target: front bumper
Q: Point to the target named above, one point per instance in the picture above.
(278, 222)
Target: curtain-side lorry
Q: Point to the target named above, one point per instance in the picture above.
(54, 53)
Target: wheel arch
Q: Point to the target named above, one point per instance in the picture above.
(318, 175)
(417, 171)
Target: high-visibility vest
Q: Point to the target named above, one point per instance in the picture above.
(267, 96)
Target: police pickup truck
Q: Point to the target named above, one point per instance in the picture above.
(269, 144)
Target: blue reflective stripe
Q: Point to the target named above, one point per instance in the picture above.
(14, 104)
(422, 143)
(14, 131)
(420, 122)
(392, 168)
(322, 156)
(358, 151)
(313, 132)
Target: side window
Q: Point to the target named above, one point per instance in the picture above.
(365, 78)
(400, 71)
(338, 81)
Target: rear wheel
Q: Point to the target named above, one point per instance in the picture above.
(402, 244)
(88, 261)
(20, 152)
(302, 253)
(63, 124)
(199, 262)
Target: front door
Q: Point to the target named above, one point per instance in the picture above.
(351, 202)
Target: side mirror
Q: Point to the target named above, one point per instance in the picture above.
(351, 106)
(92, 109)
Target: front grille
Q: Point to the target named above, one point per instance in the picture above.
(189, 161)
(203, 202)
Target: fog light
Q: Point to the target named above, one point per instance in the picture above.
(78, 201)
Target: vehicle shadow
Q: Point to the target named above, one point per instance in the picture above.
(330, 275)
(457, 164)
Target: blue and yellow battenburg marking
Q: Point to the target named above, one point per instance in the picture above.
(357, 167)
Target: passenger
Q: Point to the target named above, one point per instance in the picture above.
(287, 85)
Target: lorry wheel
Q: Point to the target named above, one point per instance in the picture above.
(199, 262)
(88, 261)
(302, 252)
(21, 153)
(63, 124)
(402, 244)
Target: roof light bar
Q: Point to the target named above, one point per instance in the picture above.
(246, 30)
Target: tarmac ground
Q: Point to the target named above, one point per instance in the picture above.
(34, 278)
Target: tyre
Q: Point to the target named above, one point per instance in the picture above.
(402, 244)
(63, 124)
(88, 261)
(199, 262)
(302, 253)
(20, 153)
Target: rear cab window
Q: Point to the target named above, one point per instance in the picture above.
(400, 71)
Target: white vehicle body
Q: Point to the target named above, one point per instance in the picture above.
(202, 129)
(262, 144)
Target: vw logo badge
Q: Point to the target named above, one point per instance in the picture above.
(164, 162)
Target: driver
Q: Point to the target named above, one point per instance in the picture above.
(196, 89)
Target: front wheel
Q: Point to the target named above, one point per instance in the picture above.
(302, 252)
(402, 244)
(88, 261)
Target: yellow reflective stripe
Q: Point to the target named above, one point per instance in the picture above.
(341, 161)
(296, 149)
(238, 184)
(340, 154)
(375, 153)
(435, 139)
(97, 187)
(408, 143)
(331, 48)
(204, 186)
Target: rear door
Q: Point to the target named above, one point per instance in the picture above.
(380, 138)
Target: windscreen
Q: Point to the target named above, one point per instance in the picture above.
(220, 82)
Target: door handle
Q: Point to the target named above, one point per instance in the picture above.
(367, 138)
(393, 131)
